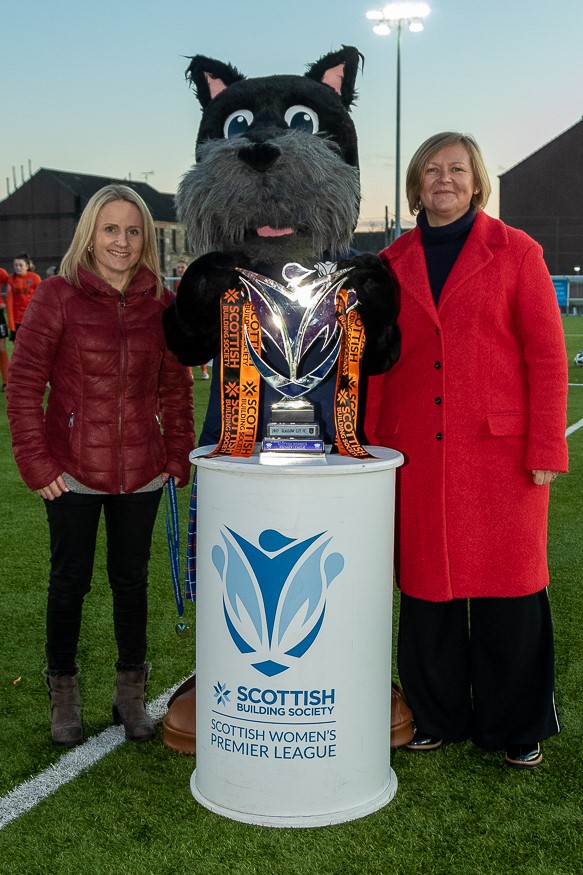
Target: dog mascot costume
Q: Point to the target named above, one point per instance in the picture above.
(275, 187)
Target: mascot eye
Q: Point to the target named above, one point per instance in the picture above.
(302, 118)
(237, 123)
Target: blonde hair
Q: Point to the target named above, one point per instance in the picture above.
(78, 253)
(424, 154)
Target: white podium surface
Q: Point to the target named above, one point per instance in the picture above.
(293, 638)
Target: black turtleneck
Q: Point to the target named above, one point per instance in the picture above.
(442, 244)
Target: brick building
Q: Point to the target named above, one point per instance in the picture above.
(543, 195)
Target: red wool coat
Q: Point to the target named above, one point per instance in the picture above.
(119, 410)
(476, 402)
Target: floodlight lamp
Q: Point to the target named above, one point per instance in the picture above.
(422, 10)
(374, 15)
(405, 11)
(382, 29)
(416, 26)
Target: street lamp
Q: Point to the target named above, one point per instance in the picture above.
(392, 16)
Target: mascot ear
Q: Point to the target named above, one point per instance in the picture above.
(338, 70)
(210, 77)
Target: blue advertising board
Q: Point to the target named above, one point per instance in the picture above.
(561, 284)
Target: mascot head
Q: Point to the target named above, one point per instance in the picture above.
(276, 173)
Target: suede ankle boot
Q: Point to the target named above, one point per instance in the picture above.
(66, 727)
(128, 704)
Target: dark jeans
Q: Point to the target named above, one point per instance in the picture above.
(73, 523)
(480, 668)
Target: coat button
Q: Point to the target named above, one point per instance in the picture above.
(438, 400)
(438, 436)
(437, 365)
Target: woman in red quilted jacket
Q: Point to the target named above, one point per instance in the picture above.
(118, 423)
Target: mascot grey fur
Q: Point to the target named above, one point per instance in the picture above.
(276, 180)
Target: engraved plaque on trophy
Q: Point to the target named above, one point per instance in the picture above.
(293, 429)
(297, 317)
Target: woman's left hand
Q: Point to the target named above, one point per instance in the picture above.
(544, 478)
(53, 490)
(164, 477)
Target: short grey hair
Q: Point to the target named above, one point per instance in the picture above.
(424, 154)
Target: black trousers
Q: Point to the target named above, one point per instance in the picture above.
(73, 524)
(480, 668)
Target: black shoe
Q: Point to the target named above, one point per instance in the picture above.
(424, 741)
(524, 756)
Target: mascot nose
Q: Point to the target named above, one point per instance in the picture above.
(260, 156)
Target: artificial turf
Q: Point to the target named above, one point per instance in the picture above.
(457, 811)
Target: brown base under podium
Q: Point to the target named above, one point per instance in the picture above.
(179, 732)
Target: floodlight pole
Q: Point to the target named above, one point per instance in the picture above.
(392, 16)
(397, 231)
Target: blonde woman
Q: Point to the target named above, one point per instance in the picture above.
(118, 423)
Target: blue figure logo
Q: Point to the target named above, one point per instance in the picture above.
(274, 595)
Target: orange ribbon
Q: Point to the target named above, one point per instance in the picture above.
(347, 380)
(239, 376)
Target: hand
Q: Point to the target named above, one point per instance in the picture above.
(53, 490)
(164, 477)
(377, 294)
(205, 281)
(193, 324)
(544, 478)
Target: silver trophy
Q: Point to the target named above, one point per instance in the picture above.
(298, 323)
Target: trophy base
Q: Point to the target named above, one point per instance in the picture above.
(289, 452)
(293, 435)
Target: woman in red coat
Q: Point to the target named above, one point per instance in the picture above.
(118, 423)
(477, 404)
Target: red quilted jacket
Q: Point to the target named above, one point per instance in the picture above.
(119, 409)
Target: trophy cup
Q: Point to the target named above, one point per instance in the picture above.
(297, 317)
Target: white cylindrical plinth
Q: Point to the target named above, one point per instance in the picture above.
(293, 639)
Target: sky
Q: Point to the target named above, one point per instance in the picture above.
(99, 88)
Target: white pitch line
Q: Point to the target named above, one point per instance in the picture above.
(574, 427)
(24, 797)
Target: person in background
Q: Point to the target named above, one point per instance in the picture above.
(3, 330)
(180, 271)
(118, 423)
(21, 286)
(477, 404)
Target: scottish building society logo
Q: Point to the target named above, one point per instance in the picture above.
(274, 594)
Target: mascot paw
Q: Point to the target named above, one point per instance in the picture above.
(192, 325)
(203, 284)
(377, 294)
(375, 288)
